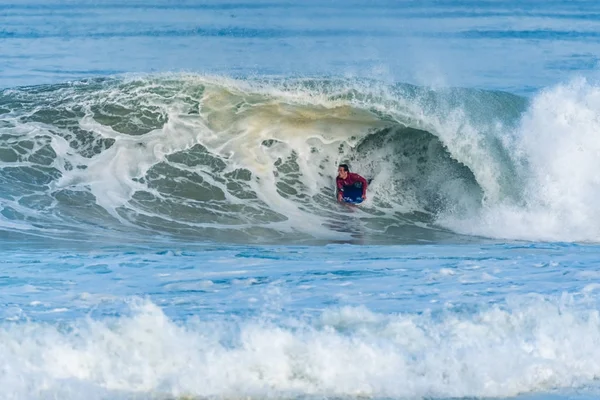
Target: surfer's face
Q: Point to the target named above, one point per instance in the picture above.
(342, 173)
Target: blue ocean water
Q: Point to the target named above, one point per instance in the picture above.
(168, 223)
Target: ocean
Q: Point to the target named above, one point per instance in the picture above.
(168, 222)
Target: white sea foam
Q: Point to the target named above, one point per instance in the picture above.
(529, 346)
(556, 150)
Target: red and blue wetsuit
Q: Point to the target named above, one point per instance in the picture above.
(350, 180)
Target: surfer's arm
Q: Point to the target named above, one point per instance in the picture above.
(340, 189)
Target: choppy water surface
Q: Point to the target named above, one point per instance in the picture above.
(167, 216)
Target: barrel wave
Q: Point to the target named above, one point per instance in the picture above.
(219, 159)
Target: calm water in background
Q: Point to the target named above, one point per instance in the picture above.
(167, 221)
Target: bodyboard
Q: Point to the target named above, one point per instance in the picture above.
(352, 194)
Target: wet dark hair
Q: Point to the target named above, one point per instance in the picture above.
(345, 167)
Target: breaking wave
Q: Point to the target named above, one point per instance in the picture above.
(254, 160)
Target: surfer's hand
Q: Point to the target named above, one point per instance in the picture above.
(364, 196)
(340, 197)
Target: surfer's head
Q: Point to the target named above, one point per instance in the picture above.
(343, 171)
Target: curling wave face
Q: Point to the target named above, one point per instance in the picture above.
(254, 160)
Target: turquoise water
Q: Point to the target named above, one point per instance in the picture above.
(167, 216)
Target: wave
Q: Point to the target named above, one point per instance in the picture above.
(254, 160)
(533, 345)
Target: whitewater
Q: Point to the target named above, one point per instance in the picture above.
(168, 224)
